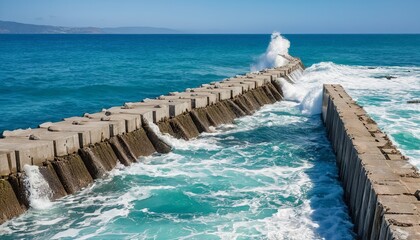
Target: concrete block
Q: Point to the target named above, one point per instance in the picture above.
(32, 152)
(236, 89)
(64, 142)
(7, 162)
(116, 127)
(259, 80)
(222, 94)
(246, 85)
(175, 106)
(196, 100)
(132, 122)
(151, 114)
(89, 132)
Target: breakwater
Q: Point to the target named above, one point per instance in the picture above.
(70, 154)
(381, 188)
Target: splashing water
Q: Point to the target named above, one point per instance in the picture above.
(276, 54)
(39, 192)
(181, 143)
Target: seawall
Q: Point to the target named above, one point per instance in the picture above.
(381, 188)
(72, 153)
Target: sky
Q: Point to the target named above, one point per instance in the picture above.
(223, 16)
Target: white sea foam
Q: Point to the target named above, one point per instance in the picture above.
(276, 54)
(39, 191)
(193, 144)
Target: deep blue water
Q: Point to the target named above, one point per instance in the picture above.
(267, 176)
(48, 77)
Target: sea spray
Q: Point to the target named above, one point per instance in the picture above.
(39, 192)
(276, 55)
(312, 102)
(308, 97)
(291, 92)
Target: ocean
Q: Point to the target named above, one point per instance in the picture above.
(267, 176)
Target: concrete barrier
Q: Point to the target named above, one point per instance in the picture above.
(32, 152)
(88, 132)
(195, 100)
(132, 122)
(381, 187)
(151, 114)
(64, 143)
(175, 106)
(222, 93)
(116, 126)
(7, 162)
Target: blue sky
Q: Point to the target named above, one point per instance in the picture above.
(224, 16)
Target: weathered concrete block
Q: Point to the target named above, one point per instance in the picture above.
(72, 172)
(32, 152)
(212, 98)
(175, 106)
(7, 162)
(89, 132)
(132, 122)
(221, 93)
(64, 142)
(259, 80)
(196, 100)
(116, 127)
(236, 89)
(246, 85)
(151, 114)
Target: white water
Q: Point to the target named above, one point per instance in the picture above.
(39, 192)
(276, 54)
(182, 144)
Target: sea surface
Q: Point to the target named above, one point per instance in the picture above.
(267, 176)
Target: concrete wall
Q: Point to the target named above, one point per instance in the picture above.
(381, 187)
(73, 152)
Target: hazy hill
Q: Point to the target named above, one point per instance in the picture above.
(7, 27)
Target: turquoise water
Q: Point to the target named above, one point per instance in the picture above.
(267, 176)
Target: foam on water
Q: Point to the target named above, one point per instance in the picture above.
(182, 144)
(39, 191)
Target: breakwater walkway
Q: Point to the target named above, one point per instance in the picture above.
(381, 188)
(70, 154)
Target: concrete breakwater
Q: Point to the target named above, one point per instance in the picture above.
(70, 154)
(381, 188)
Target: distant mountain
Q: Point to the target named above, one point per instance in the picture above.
(22, 28)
